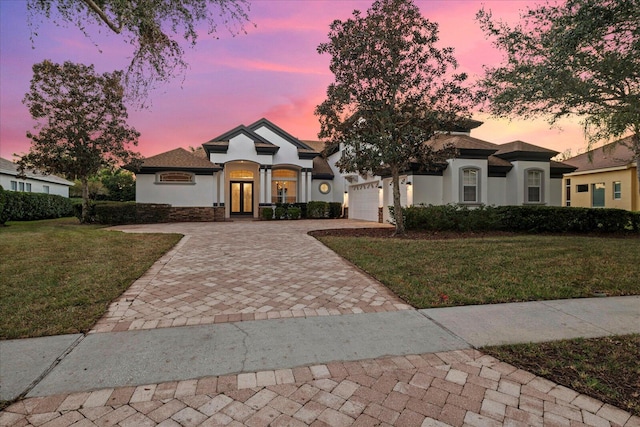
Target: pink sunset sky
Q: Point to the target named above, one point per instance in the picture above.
(273, 71)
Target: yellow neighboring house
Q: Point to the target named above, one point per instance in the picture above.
(606, 177)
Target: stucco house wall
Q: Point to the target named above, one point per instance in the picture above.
(199, 193)
(33, 183)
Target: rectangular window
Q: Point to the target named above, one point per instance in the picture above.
(45, 189)
(534, 186)
(617, 190)
(28, 187)
(568, 192)
(14, 185)
(582, 188)
(597, 195)
(21, 186)
(470, 185)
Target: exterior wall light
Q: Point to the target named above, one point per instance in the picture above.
(409, 183)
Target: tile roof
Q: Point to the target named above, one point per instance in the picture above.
(10, 168)
(178, 158)
(462, 142)
(321, 168)
(611, 155)
(522, 146)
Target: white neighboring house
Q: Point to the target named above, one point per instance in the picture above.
(255, 166)
(33, 183)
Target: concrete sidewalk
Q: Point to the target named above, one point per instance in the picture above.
(134, 358)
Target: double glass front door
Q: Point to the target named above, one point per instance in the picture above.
(241, 198)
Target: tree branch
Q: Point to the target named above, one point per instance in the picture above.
(93, 6)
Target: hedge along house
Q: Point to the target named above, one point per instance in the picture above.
(237, 173)
(33, 182)
(249, 167)
(606, 177)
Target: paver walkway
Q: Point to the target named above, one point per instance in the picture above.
(459, 388)
(229, 272)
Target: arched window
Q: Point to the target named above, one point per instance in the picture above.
(175, 177)
(284, 186)
(241, 174)
(470, 185)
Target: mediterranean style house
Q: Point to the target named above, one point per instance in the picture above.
(606, 177)
(33, 183)
(259, 165)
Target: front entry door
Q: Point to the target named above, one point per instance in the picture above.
(242, 198)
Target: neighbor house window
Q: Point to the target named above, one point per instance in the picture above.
(534, 186)
(617, 190)
(21, 186)
(175, 177)
(284, 186)
(14, 185)
(45, 189)
(28, 186)
(567, 189)
(582, 188)
(470, 186)
(597, 195)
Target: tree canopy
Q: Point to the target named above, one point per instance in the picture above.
(576, 58)
(80, 122)
(393, 90)
(152, 27)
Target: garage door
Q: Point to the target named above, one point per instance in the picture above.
(364, 201)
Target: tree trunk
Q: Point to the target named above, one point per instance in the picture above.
(85, 200)
(397, 206)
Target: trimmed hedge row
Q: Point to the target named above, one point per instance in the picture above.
(116, 213)
(20, 206)
(324, 210)
(303, 210)
(530, 219)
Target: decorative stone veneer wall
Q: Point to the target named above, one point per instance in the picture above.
(196, 214)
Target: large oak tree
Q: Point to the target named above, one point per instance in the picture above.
(81, 123)
(577, 58)
(394, 90)
(153, 27)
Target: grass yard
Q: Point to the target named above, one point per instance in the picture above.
(59, 277)
(436, 273)
(605, 368)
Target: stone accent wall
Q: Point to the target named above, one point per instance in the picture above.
(196, 214)
(380, 215)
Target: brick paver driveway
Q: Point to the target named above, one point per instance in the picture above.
(246, 270)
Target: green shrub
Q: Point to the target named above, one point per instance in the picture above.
(529, 219)
(281, 212)
(335, 209)
(77, 210)
(293, 212)
(116, 213)
(3, 199)
(19, 206)
(317, 210)
(267, 214)
(303, 209)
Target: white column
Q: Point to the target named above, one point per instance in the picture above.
(214, 197)
(263, 191)
(309, 176)
(268, 186)
(221, 188)
(303, 186)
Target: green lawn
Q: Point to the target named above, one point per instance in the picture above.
(58, 277)
(605, 368)
(434, 273)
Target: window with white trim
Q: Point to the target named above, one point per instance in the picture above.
(617, 190)
(175, 178)
(28, 187)
(14, 185)
(534, 186)
(470, 185)
(21, 186)
(45, 189)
